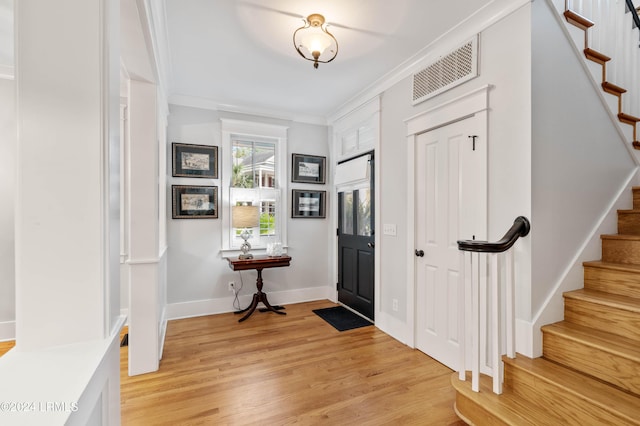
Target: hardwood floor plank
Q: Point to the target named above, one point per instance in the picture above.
(6, 346)
(280, 370)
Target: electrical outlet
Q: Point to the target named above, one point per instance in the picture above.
(232, 286)
(395, 305)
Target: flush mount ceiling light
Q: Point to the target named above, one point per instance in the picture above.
(313, 42)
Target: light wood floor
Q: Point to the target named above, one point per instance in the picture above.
(5, 346)
(276, 370)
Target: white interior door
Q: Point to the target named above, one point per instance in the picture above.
(451, 198)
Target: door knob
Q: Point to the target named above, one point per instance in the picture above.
(371, 245)
(420, 253)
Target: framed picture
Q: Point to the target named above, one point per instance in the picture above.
(308, 168)
(194, 202)
(199, 161)
(308, 204)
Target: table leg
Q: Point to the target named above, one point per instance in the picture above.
(269, 307)
(257, 298)
(250, 308)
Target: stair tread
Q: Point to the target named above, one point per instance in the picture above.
(625, 237)
(508, 407)
(596, 56)
(612, 88)
(608, 299)
(628, 211)
(624, 267)
(628, 117)
(577, 19)
(598, 393)
(606, 342)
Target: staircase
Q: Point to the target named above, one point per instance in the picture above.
(589, 373)
(601, 58)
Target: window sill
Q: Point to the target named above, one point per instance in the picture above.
(261, 251)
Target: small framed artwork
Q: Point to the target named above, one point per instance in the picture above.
(194, 202)
(308, 204)
(199, 161)
(308, 168)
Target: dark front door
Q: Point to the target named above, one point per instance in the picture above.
(356, 247)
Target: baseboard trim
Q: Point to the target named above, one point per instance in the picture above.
(163, 331)
(572, 277)
(198, 308)
(395, 328)
(524, 338)
(7, 331)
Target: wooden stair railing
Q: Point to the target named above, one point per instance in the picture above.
(589, 372)
(591, 54)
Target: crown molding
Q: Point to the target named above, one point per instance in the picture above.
(485, 17)
(211, 104)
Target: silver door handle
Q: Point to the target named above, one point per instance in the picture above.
(371, 245)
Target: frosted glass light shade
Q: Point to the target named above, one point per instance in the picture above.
(314, 42)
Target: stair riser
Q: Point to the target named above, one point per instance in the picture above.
(622, 283)
(629, 223)
(476, 413)
(597, 362)
(621, 251)
(567, 407)
(604, 318)
(636, 198)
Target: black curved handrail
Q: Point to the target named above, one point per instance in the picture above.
(634, 13)
(520, 228)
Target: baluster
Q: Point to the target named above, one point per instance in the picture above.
(510, 299)
(633, 69)
(475, 322)
(461, 317)
(595, 41)
(485, 314)
(485, 306)
(587, 11)
(496, 351)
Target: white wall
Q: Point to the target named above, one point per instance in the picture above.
(197, 273)
(504, 64)
(7, 194)
(7, 172)
(580, 163)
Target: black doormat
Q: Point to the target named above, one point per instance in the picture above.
(341, 319)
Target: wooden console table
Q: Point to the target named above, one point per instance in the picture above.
(258, 263)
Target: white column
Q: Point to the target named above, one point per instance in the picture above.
(143, 205)
(64, 91)
(67, 203)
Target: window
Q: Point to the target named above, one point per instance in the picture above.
(254, 172)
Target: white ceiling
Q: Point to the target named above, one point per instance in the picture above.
(240, 54)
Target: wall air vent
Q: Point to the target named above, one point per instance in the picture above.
(446, 72)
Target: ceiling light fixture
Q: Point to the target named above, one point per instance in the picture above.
(313, 42)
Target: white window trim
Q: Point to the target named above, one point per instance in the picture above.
(250, 129)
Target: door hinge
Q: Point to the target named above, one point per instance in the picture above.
(338, 231)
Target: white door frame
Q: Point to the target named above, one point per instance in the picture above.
(472, 103)
(367, 114)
